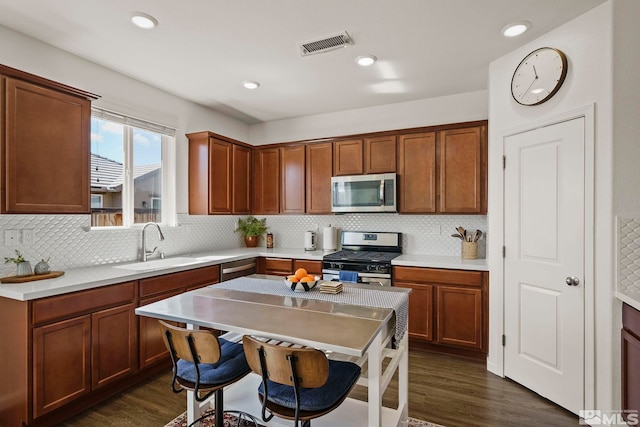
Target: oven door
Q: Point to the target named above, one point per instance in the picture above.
(363, 278)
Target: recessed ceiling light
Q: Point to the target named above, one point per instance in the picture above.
(144, 20)
(514, 29)
(250, 84)
(365, 60)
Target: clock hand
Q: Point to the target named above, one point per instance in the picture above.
(534, 71)
(529, 88)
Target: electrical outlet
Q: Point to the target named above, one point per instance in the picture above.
(28, 237)
(11, 238)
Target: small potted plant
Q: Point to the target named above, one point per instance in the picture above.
(24, 266)
(251, 229)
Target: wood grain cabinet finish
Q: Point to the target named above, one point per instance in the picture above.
(114, 345)
(462, 167)
(447, 309)
(219, 175)
(292, 179)
(630, 353)
(420, 310)
(417, 173)
(380, 155)
(44, 134)
(278, 266)
(150, 343)
(61, 363)
(319, 172)
(312, 267)
(348, 157)
(266, 181)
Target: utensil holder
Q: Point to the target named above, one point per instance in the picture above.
(469, 250)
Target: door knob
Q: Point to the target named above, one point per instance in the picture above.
(572, 281)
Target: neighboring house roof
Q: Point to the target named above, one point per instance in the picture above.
(106, 174)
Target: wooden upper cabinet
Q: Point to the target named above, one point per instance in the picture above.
(241, 197)
(45, 137)
(319, 173)
(380, 154)
(266, 181)
(417, 173)
(348, 157)
(462, 170)
(292, 178)
(219, 175)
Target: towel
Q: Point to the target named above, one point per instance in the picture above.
(348, 276)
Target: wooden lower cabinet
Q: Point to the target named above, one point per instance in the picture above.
(448, 309)
(630, 353)
(61, 363)
(151, 345)
(312, 267)
(287, 266)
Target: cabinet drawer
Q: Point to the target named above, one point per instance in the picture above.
(631, 319)
(312, 267)
(61, 306)
(438, 276)
(181, 280)
(278, 264)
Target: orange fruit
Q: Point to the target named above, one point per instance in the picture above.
(293, 279)
(308, 278)
(300, 273)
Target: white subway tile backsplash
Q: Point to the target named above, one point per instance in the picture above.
(70, 242)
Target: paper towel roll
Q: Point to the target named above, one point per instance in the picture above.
(329, 240)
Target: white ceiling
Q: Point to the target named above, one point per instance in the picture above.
(202, 49)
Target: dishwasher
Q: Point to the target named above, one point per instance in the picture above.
(243, 267)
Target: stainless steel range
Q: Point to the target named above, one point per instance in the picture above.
(365, 254)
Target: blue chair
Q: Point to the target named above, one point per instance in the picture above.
(204, 364)
(298, 384)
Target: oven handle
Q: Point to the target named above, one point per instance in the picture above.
(371, 281)
(382, 192)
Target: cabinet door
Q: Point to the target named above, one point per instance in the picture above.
(46, 148)
(420, 310)
(417, 173)
(114, 342)
(266, 181)
(151, 345)
(319, 173)
(459, 316)
(630, 371)
(292, 172)
(461, 171)
(220, 178)
(347, 157)
(61, 363)
(380, 154)
(241, 200)
(278, 266)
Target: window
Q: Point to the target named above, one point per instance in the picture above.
(128, 170)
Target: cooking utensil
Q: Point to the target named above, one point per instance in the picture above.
(458, 236)
(462, 232)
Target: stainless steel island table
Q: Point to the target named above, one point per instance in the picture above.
(360, 333)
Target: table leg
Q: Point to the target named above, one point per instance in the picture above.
(374, 381)
(403, 377)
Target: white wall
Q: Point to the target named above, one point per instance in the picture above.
(587, 42)
(461, 107)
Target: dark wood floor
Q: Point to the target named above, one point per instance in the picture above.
(442, 389)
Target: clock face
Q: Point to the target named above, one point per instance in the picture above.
(539, 76)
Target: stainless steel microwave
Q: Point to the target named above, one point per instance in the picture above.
(364, 193)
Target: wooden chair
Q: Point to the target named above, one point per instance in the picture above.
(204, 364)
(298, 384)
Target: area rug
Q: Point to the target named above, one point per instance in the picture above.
(231, 421)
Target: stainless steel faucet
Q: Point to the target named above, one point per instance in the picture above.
(146, 253)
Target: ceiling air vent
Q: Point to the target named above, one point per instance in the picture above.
(325, 45)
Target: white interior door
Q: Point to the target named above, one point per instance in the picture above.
(544, 261)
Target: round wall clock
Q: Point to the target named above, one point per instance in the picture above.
(539, 76)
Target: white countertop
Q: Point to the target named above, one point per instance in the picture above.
(108, 274)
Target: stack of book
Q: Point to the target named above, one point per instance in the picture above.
(331, 287)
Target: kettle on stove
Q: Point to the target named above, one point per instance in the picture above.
(310, 240)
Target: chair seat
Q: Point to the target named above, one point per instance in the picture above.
(232, 365)
(342, 377)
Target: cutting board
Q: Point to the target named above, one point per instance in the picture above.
(22, 279)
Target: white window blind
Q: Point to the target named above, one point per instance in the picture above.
(133, 121)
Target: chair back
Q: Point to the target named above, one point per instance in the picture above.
(199, 346)
(310, 365)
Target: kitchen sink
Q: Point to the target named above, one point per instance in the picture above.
(160, 263)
